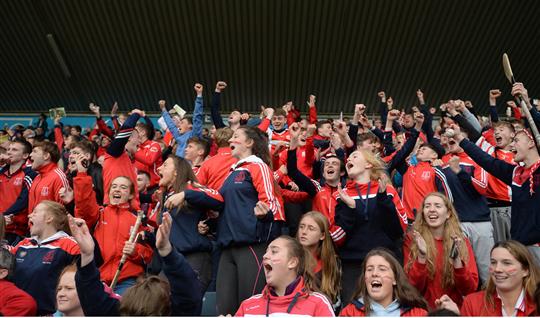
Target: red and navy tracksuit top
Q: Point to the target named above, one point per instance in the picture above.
(250, 181)
(38, 267)
(525, 218)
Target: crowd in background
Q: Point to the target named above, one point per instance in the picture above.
(417, 211)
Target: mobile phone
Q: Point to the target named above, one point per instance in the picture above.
(454, 251)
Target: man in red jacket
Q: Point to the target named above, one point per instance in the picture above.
(215, 170)
(13, 301)
(15, 182)
(148, 155)
(51, 179)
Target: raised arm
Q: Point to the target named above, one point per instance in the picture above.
(198, 111)
(120, 140)
(215, 105)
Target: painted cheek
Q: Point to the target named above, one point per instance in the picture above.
(512, 271)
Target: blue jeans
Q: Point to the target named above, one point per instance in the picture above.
(122, 286)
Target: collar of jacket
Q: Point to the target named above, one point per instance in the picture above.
(249, 159)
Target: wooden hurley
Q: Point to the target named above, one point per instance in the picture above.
(510, 76)
(132, 236)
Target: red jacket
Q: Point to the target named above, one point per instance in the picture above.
(497, 189)
(112, 225)
(14, 301)
(475, 305)
(14, 190)
(420, 180)
(305, 156)
(307, 304)
(215, 170)
(148, 158)
(465, 278)
(46, 185)
(114, 167)
(357, 309)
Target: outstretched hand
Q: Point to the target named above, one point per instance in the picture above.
(163, 244)
(345, 197)
(81, 234)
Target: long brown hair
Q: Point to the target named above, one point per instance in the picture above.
(403, 291)
(331, 273)
(260, 143)
(148, 297)
(2, 228)
(184, 176)
(305, 262)
(524, 257)
(452, 229)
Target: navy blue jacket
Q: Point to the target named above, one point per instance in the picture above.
(372, 223)
(250, 181)
(470, 205)
(185, 236)
(525, 218)
(186, 296)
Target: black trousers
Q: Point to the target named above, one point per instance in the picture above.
(350, 272)
(240, 276)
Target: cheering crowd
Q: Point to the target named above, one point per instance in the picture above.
(282, 213)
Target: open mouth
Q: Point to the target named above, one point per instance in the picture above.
(376, 285)
(433, 217)
(268, 267)
(498, 139)
(116, 196)
(350, 165)
(232, 147)
(330, 171)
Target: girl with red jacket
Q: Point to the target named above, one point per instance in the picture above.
(510, 288)
(289, 288)
(313, 233)
(438, 258)
(383, 289)
(112, 226)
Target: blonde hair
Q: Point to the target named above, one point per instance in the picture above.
(331, 273)
(59, 214)
(378, 167)
(452, 229)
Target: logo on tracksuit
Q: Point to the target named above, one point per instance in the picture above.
(240, 177)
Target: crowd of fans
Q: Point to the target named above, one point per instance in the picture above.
(398, 215)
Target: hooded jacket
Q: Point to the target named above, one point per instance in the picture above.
(296, 303)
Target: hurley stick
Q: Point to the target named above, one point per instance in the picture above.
(132, 237)
(521, 102)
